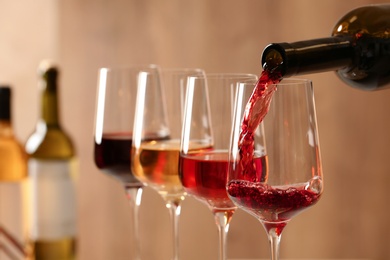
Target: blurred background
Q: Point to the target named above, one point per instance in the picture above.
(351, 220)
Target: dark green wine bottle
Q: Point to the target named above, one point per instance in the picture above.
(358, 50)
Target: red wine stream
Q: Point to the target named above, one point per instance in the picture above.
(255, 111)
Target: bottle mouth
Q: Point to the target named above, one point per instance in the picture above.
(274, 59)
(46, 65)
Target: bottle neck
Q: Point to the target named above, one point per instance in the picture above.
(49, 103)
(311, 56)
(5, 112)
(6, 128)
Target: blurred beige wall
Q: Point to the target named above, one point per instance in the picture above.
(351, 220)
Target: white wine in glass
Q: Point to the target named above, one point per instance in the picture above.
(156, 138)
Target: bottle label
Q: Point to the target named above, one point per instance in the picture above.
(13, 219)
(53, 195)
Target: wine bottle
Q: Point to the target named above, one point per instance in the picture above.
(13, 181)
(358, 50)
(52, 172)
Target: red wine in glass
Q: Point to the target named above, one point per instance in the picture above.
(293, 179)
(274, 205)
(204, 177)
(112, 156)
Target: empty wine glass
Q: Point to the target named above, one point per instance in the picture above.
(156, 138)
(207, 125)
(115, 109)
(276, 183)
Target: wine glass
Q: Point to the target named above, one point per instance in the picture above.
(276, 183)
(115, 109)
(156, 139)
(207, 125)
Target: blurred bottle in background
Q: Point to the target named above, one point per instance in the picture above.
(52, 172)
(13, 186)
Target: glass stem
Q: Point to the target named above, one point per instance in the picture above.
(274, 240)
(222, 219)
(174, 210)
(134, 195)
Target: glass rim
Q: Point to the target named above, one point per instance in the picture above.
(184, 69)
(293, 81)
(130, 67)
(230, 74)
